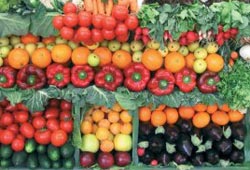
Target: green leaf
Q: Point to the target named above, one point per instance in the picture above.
(238, 144)
(227, 132)
(236, 16)
(170, 148)
(196, 141)
(163, 18)
(143, 144)
(201, 148)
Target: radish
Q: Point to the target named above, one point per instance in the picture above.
(145, 31)
(140, 151)
(154, 162)
(183, 41)
(137, 37)
(191, 36)
(138, 31)
(145, 39)
(245, 52)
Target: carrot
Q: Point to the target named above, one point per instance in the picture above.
(124, 2)
(100, 7)
(95, 9)
(133, 6)
(88, 5)
(108, 7)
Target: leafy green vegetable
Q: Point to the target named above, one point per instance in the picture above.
(5, 5)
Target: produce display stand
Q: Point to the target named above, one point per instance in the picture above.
(118, 58)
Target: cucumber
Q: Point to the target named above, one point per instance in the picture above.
(19, 158)
(41, 149)
(56, 164)
(69, 163)
(32, 161)
(30, 145)
(5, 163)
(44, 161)
(67, 150)
(6, 151)
(53, 153)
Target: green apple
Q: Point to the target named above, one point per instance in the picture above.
(90, 143)
(153, 44)
(4, 51)
(173, 46)
(50, 46)
(40, 45)
(136, 57)
(163, 51)
(104, 43)
(200, 53)
(73, 45)
(93, 60)
(1, 61)
(212, 47)
(15, 40)
(94, 46)
(19, 45)
(193, 46)
(126, 47)
(4, 41)
(123, 142)
(136, 45)
(60, 40)
(200, 66)
(183, 50)
(30, 48)
(114, 45)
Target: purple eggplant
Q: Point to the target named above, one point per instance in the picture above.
(184, 145)
(145, 130)
(156, 143)
(185, 126)
(214, 132)
(237, 156)
(212, 157)
(224, 146)
(198, 159)
(238, 131)
(171, 133)
(147, 157)
(180, 158)
(164, 158)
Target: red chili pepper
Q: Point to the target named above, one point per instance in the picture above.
(207, 82)
(162, 83)
(58, 75)
(81, 76)
(31, 77)
(186, 80)
(109, 77)
(137, 77)
(7, 77)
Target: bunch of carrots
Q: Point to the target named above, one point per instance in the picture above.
(105, 6)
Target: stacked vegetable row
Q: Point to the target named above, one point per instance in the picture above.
(186, 135)
(40, 139)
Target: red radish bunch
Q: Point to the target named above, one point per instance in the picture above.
(188, 38)
(223, 36)
(142, 34)
(91, 28)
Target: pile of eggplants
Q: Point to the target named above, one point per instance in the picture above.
(182, 143)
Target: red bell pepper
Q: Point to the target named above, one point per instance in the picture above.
(82, 76)
(31, 77)
(58, 75)
(7, 77)
(186, 80)
(137, 77)
(109, 77)
(162, 83)
(207, 82)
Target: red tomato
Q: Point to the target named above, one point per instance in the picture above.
(69, 7)
(14, 128)
(6, 137)
(21, 116)
(132, 22)
(122, 38)
(27, 130)
(6, 119)
(85, 19)
(97, 20)
(4, 103)
(20, 136)
(66, 125)
(108, 34)
(59, 138)
(57, 22)
(65, 105)
(21, 106)
(83, 34)
(97, 35)
(43, 137)
(38, 122)
(109, 23)
(36, 114)
(65, 115)
(70, 20)
(89, 42)
(120, 12)
(10, 108)
(121, 29)
(52, 124)
(17, 144)
(67, 33)
(1, 111)
(54, 102)
(52, 112)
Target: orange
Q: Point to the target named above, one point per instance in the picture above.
(161, 107)
(61, 53)
(41, 57)
(116, 107)
(121, 59)
(126, 128)
(220, 118)
(111, 137)
(97, 115)
(224, 108)
(115, 128)
(105, 109)
(158, 118)
(152, 59)
(88, 118)
(174, 62)
(106, 146)
(235, 116)
(102, 133)
(200, 107)
(18, 58)
(125, 117)
(29, 38)
(172, 115)
(80, 56)
(144, 114)
(214, 62)
(186, 112)
(113, 116)
(212, 108)
(86, 127)
(201, 119)
(190, 58)
(104, 123)
(104, 54)
(48, 40)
